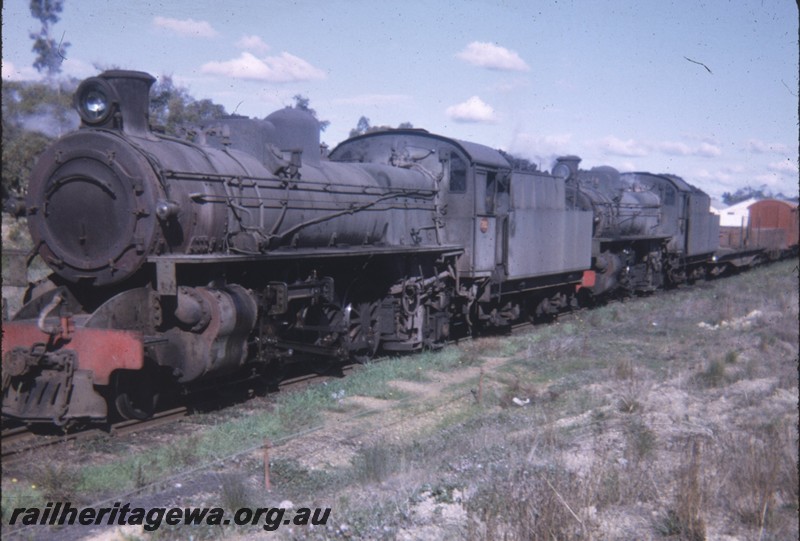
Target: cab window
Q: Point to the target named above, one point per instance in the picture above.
(458, 174)
(491, 190)
(497, 192)
(669, 196)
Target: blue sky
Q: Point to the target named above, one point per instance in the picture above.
(611, 81)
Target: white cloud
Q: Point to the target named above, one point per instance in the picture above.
(618, 147)
(283, 68)
(70, 67)
(493, 57)
(11, 72)
(720, 176)
(531, 146)
(625, 165)
(778, 177)
(79, 69)
(773, 181)
(715, 183)
(704, 138)
(253, 43)
(735, 169)
(186, 27)
(472, 110)
(760, 147)
(708, 150)
(542, 149)
(674, 148)
(374, 99)
(785, 166)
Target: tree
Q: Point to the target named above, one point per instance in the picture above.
(364, 126)
(743, 194)
(49, 53)
(33, 114)
(172, 107)
(20, 150)
(519, 164)
(361, 128)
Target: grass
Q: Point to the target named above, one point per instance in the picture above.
(638, 416)
(686, 518)
(291, 413)
(713, 375)
(375, 463)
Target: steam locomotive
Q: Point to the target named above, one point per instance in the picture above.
(176, 261)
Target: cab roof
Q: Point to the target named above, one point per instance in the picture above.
(475, 152)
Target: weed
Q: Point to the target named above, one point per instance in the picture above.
(56, 479)
(766, 341)
(445, 493)
(631, 390)
(726, 311)
(525, 504)
(623, 369)
(517, 394)
(375, 463)
(183, 452)
(139, 476)
(378, 520)
(763, 473)
(292, 478)
(510, 347)
(685, 518)
(595, 319)
(640, 440)
(467, 359)
(609, 485)
(628, 404)
(199, 532)
(713, 376)
(20, 494)
(235, 494)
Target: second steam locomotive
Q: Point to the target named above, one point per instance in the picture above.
(175, 262)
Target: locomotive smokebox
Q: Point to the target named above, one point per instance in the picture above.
(92, 194)
(116, 99)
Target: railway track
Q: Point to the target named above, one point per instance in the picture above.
(17, 441)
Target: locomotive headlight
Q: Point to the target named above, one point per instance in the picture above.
(95, 104)
(562, 171)
(94, 101)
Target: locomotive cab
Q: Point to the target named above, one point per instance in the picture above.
(516, 230)
(686, 221)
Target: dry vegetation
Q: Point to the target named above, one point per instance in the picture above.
(668, 417)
